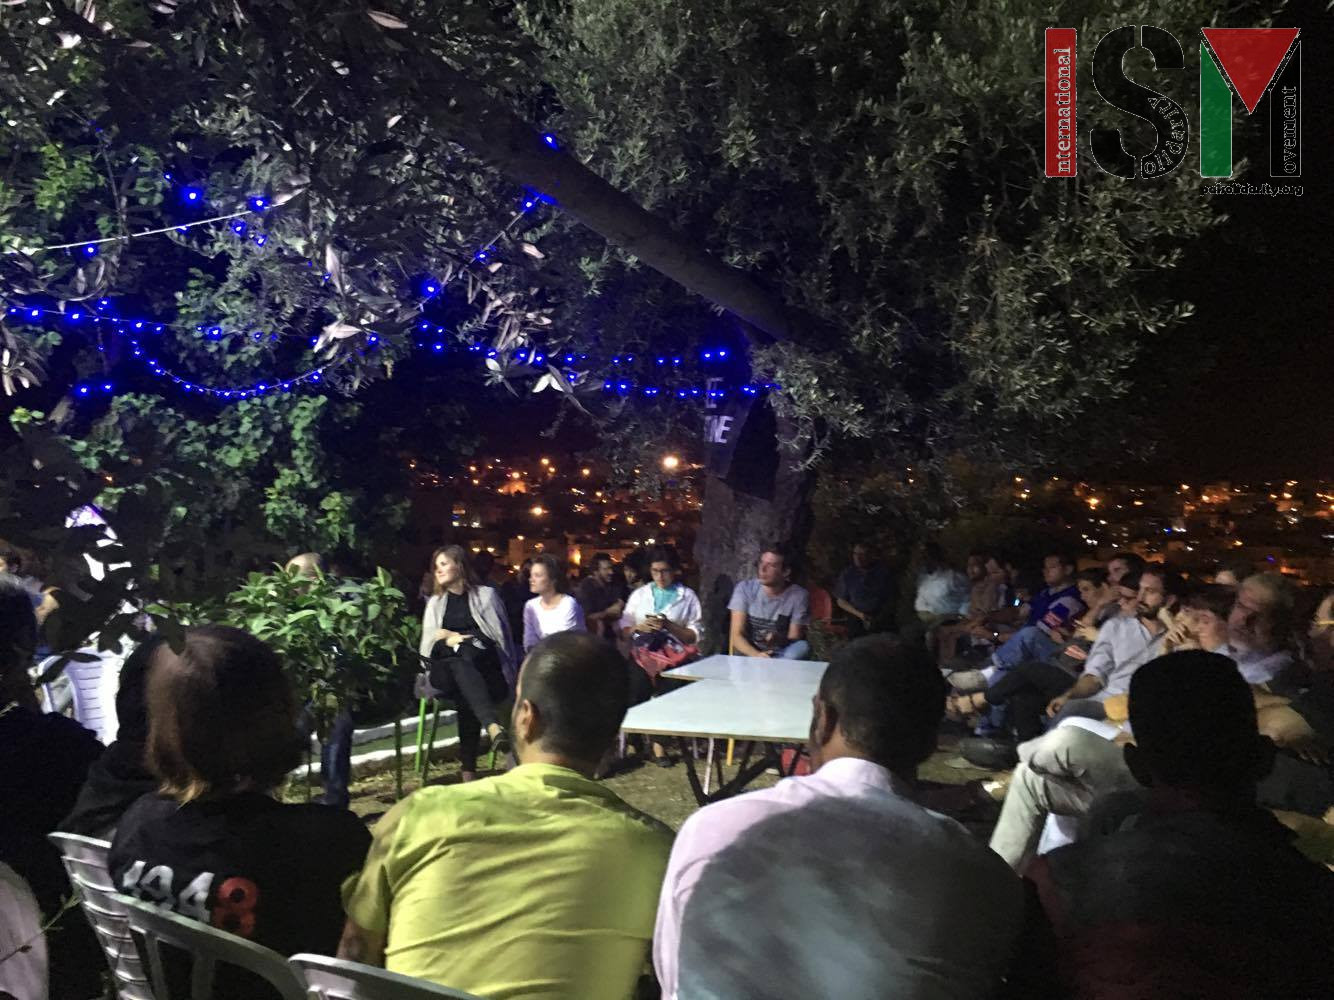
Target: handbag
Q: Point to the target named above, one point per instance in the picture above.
(655, 652)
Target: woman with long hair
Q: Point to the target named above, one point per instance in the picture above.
(214, 844)
(473, 662)
(551, 610)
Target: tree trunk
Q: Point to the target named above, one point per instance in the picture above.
(737, 526)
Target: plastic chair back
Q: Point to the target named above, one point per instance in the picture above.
(85, 860)
(335, 979)
(822, 605)
(208, 948)
(92, 687)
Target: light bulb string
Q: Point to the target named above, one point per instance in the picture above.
(179, 227)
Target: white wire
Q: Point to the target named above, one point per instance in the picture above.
(130, 236)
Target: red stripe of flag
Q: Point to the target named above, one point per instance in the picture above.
(1058, 102)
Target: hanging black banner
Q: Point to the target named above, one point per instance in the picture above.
(741, 443)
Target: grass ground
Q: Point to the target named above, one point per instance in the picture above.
(661, 792)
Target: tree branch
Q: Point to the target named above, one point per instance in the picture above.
(480, 123)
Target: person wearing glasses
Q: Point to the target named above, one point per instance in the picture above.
(663, 623)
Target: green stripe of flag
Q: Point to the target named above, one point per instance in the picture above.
(1215, 119)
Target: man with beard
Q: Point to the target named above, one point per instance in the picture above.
(1063, 771)
(602, 597)
(1124, 644)
(1259, 629)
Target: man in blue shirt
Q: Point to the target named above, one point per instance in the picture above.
(1049, 611)
(864, 590)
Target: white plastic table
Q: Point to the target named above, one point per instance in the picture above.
(769, 711)
(751, 670)
(772, 713)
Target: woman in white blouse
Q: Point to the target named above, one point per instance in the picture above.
(663, 616)
(552, 610)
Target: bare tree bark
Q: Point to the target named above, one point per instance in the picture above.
(737, 526)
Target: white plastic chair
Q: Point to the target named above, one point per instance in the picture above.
(335, 979)
(85, 860)
(207, 947)
(23, 972)
(93, 687)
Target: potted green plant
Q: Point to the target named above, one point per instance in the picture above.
(348, 644)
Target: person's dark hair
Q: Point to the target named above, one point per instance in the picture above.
(1212, 597)
(221, 715)
(1130, 581)
(1067, 558)
(637, 560)
(482, 564)
(132, 693)
(1194, 720)
(580, 689)
(1134, 563)
(1173, 584)
(13, 559)
(888, 697)
(783, 552)
(455, 554)
(983, 554)
(555, 570)
(18, 635)
(1096, 576)
(600, 558)
(933, 556)
(664, 553)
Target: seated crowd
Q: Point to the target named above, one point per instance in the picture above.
(1178, 725)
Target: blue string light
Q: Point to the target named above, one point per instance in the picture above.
(430, 287)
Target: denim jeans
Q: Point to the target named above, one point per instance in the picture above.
(799, 650)
(336, 762)
(1029, 643)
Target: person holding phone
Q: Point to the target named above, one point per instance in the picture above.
(663, 623)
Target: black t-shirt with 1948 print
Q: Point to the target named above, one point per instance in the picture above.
(244, 863)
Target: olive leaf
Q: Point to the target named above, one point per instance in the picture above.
(386, 20)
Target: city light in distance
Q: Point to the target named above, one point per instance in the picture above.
(670, 462)
(538, 511)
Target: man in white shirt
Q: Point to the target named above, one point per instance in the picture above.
(1064, 770)
(942, 591)
(838, 884)
(1122, 647)
(1259, 626)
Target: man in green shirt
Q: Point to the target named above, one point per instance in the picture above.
(536, 883)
